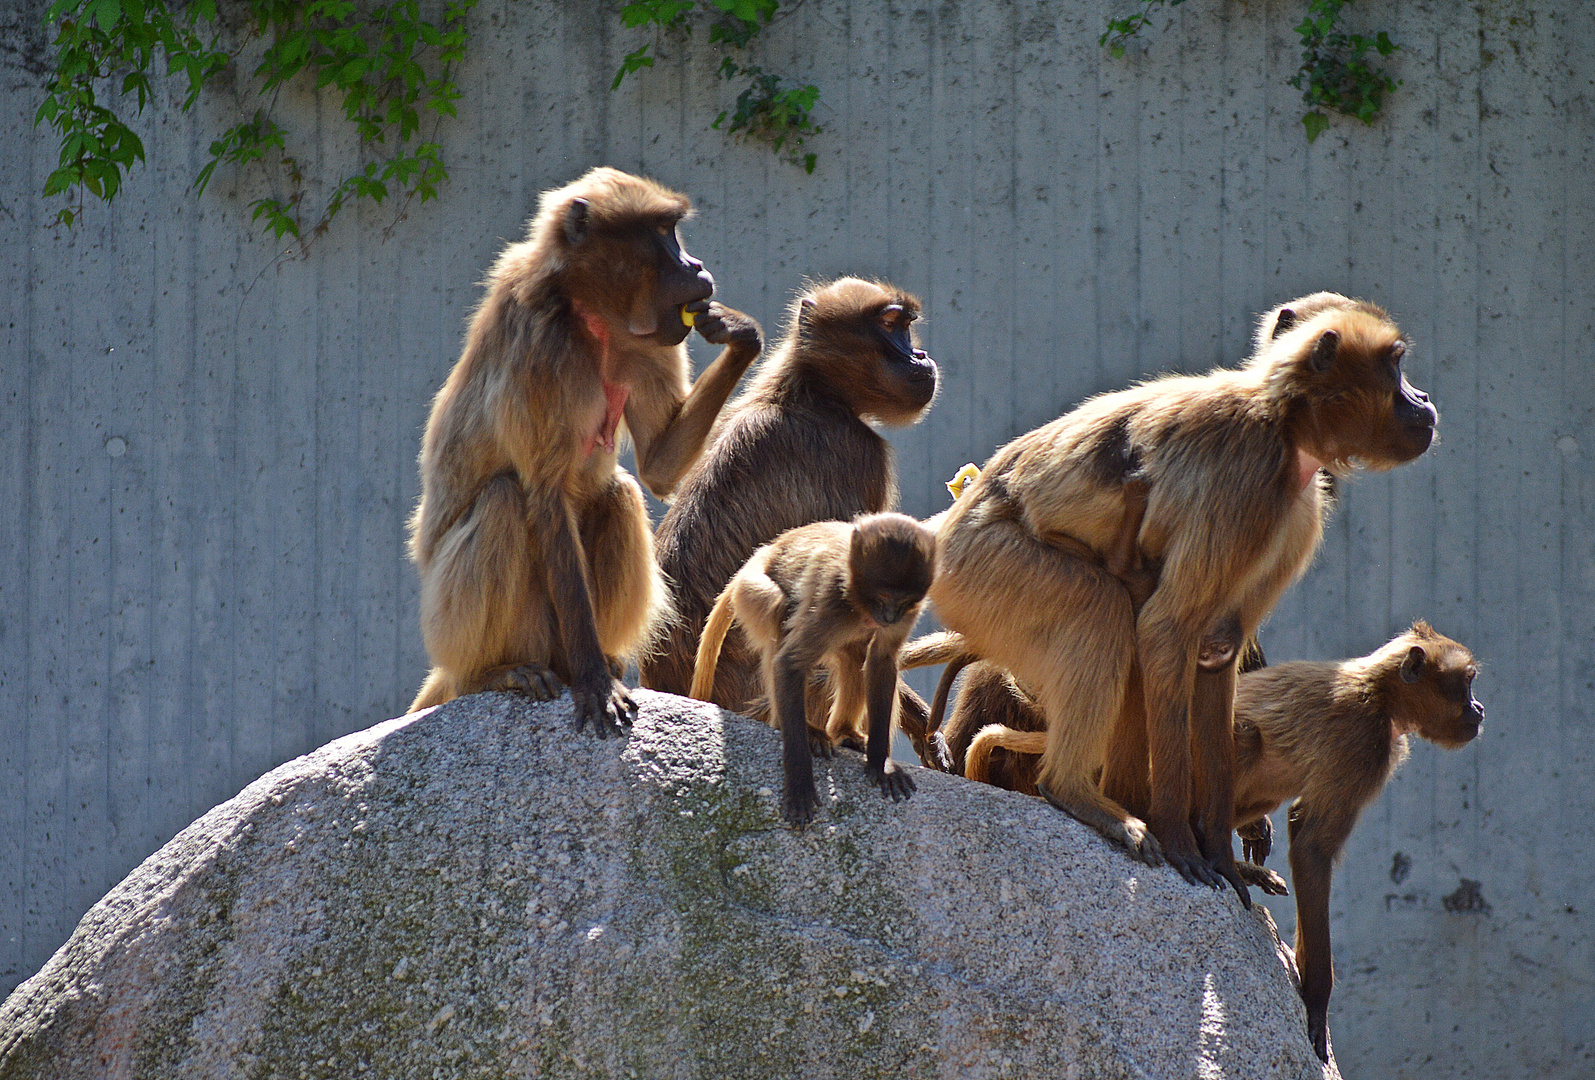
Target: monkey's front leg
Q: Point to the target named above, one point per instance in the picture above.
(669, 434)
(880, 678)
(597, 696)
(790, 677)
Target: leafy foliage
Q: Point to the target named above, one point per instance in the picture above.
(390, 65)
(1119, 32)
(1335, 73)
(768, 110)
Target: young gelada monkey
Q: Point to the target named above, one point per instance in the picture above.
(797, 447)
(838, 594)
(1330, 735)
(535, 554)
(1233, 515)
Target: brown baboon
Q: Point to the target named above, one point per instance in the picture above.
(1233, 515)
(795, 448)
(838, 595)
(1330, 736)
(535, 554)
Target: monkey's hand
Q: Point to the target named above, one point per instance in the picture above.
(1262, 877)
(894, 781)
(1257, 840)
(798, 803)
(602, 700)
(937, 754)
(820, 746)
(721, 325)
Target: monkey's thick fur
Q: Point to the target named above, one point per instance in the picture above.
(795, 448)
(534, 549)
(1234, 514)
(832, 594)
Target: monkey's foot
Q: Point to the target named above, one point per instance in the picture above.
(1129, 832)
(1182, 853)
(1318, 1032)
(1262, 877)
(605, 704)
(533, 680)
(1257, 840)
(798, 804)
(894, 781)
(1226, 869)
(936, 754)
(853, 742)
(820, 746)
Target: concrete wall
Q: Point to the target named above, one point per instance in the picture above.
(207, 455)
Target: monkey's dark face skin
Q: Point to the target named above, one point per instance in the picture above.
(682, 281)
(912, 369)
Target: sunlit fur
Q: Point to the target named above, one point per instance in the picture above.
(534, 548)
(1233, 516)
(795, 448)
(832, 594)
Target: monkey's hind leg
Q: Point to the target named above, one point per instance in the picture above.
(485, 617)
(1063, 627)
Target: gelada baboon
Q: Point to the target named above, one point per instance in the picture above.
(1330, 736)
(1233, 515)
(535, 554)
(840, 595)
(795, 448)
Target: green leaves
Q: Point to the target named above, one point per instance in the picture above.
(1335, 72)
(385, 60)
(767, 110)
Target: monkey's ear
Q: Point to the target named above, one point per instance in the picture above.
(576, 222)
(1285, 320)
(1323, 353)
(1412, 664)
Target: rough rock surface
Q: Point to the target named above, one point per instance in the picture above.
(479, 891)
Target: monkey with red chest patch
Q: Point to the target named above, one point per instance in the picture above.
(536, 558)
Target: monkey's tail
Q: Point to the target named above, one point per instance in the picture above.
(938, 705)
(977, 760)
(942, 647)
(714, 634)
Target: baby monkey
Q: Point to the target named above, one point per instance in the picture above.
(835, 594)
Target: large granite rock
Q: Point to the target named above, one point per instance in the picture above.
(478, 891)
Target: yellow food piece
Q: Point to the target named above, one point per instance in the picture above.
(688, 317)
(965, 477)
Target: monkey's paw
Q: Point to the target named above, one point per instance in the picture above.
(721, 325)
(1138, 840)
(1262, 877)
(1193, 867)
(1226, 869)
(1318, 1032)
(605, 704)
(820, 746)
(1257, 840)
(894, 780)
(937, 754)
(533, 680)
(798, 804)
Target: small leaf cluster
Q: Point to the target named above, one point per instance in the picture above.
(768, 110)
(1119, 32)
(1335, 72)
(390, 67)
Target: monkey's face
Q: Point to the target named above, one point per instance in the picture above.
(908, 373)
(891, 561)
(1436, 697)
(637, 270)
(1364, 409)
